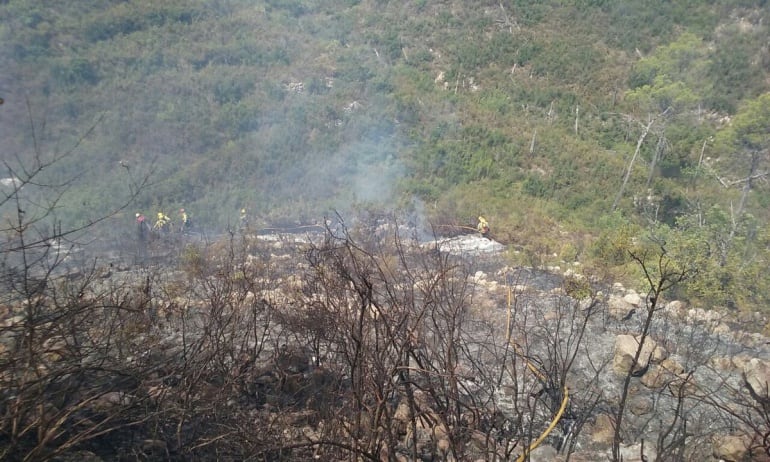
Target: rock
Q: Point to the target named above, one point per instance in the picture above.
(78, 456)
(676, 309)
(632, 298)
(443, 445)
(757, 372)
(587, 456)
(111, 400)
(585, 303)
(618, 309)
(740, 362)
(551, 315)
(14, 321)
(731, 448)
(682, 386)
(625, 349)
(633, 453)
(545, 453)
(152, 445)
(402, 413)
(663, 374)
(722, 363)
(738, 448)
(603, 430)
(640, 405)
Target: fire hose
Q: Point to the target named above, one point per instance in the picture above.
(540, 375)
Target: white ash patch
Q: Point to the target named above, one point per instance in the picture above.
(469, 244)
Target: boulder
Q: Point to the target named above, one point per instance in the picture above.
(545, 453)
(677, 309)
(741, 361)
(731, 448)
(603, 429)
(663, 374)
(722, 363)
(738, 448)
(633, 453)
(757, 373)
(625, 349)
(683, 386)
(618, 308)
(632, 298)
(639, 404)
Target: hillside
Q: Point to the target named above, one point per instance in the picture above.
(574, 126)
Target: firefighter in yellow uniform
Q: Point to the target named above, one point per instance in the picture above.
(162, 223)
(483, 227)
(184, 221)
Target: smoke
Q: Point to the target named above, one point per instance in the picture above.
(363, 172)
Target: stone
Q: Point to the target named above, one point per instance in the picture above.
(632, 298)
(731, 448)
(663, 374)
(111, 400)
(633, 453)
(757, 372)
(545, 453)
(603, 429)
(617, 308)
(587, 456)
(740, 362)
(625, 349)
(722, 363)
(640, 405)
(676, 309)
(682, 386)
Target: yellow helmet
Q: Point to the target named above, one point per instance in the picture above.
(243, 210)
(160, 214)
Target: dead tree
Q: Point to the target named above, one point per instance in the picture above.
(661, 274)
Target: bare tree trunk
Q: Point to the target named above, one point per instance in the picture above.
(742, 204)
(577, 117)
(631, 163)
(532, 144)
(655, 157)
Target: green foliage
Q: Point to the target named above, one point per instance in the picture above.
(750, 127)
(534, 186)
(75, 72)
(123, 20)
(615, 241)
(578, 288)
(736, 69)
(745, 142)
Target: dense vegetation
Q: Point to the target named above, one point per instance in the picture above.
(575, 126)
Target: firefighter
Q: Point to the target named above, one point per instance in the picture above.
(142, 228)
(483, 227)
(162, 223)
(142, 236)
(184, 220)
(243, 221)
